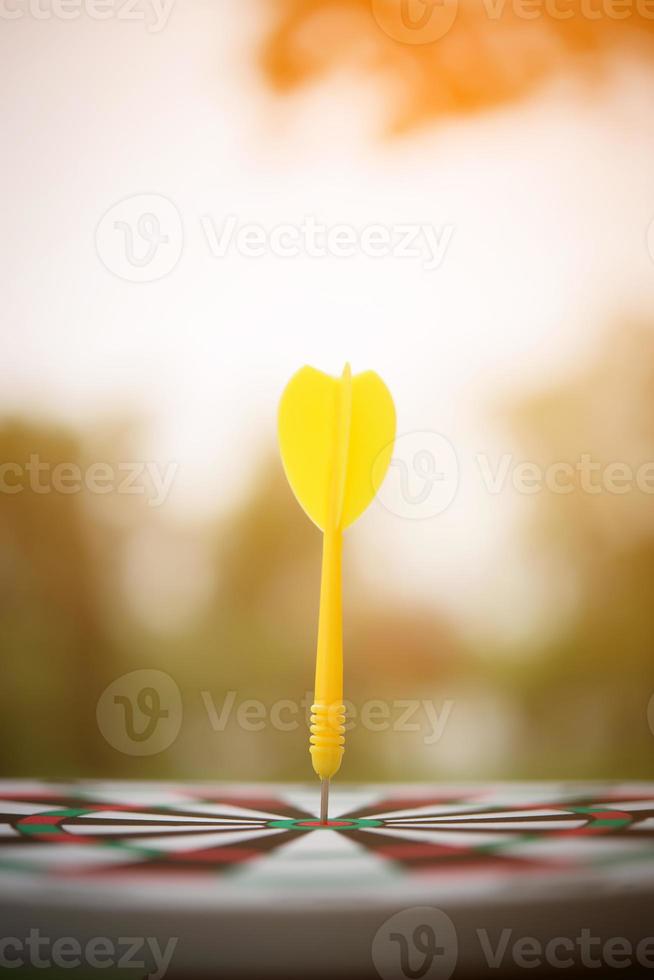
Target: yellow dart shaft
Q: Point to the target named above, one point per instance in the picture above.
(328, 711)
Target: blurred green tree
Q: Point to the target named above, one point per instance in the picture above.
(586, 684)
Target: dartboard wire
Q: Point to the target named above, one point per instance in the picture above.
(134, 833)
(278, 808)
(406, 803)
(490, 814)
(57, 823)
(266, 806)
(599, 825)
(175, 825)
(497, 822)
(87, 813)
(476, 812)
(585, 806)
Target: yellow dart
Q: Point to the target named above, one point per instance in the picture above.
(336, 439)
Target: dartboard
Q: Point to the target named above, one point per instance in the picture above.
(244, 841)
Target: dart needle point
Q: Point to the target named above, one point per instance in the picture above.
(324, 800)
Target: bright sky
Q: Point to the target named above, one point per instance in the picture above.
(548, 206)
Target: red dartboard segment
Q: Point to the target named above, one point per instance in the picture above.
(43, 818)
(219, 855)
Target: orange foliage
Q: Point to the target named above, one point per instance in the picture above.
(445, 57)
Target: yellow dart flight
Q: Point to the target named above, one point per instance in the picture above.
(336, 439)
